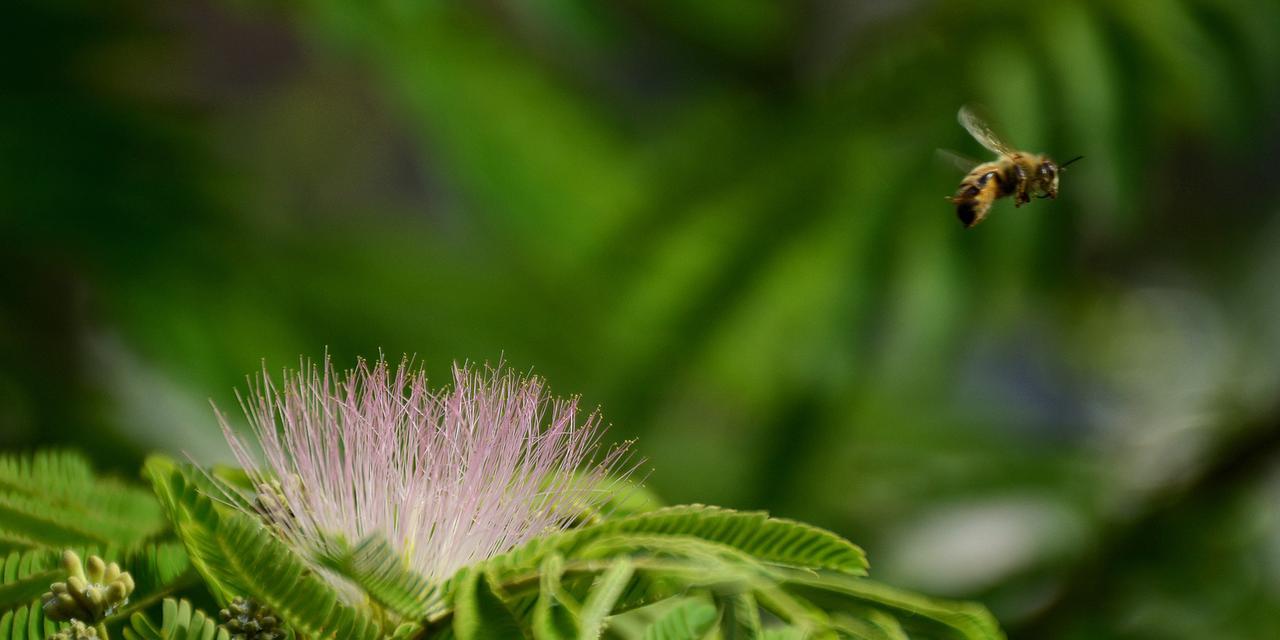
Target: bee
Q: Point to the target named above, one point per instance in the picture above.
(1017, 173)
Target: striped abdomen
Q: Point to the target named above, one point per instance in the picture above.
(979, 190)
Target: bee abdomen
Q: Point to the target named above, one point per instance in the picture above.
(967, 211)
(974, 197)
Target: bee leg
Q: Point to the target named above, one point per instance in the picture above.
(1020, 196)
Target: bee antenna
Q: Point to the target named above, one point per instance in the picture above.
(1064, 165)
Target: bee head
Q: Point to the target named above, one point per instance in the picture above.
(1047, 179)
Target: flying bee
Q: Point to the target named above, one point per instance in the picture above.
(1017, 173)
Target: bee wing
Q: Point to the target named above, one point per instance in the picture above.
(981, 131)
(957, 160)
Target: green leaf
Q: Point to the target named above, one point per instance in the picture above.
(479, 614)
(385, 576)
(180, 622)
(52, 500)
(621, 498)
(836, 592)
(741, 617)
(24, 576)
(26, 623)
(784, 633)
(156, 568)
(406, 631)
(238, 556)
(602, 597)
(869, 625)
(555, 613)
(690, 620)
(770, 540)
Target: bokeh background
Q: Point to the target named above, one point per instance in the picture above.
(720, 221)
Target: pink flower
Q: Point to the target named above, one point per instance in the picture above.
(450, 477)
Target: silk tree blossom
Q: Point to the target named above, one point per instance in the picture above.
(450, 477)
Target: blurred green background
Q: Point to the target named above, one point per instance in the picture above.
(720, 221)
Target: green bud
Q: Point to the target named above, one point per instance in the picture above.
(97, 569)
(248, 620)
(87, 597)
(77, 631)
(71, 563)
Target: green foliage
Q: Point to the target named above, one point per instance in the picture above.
(603, 595)
(690, 620)
(375, 567)
(23, 577)
(238, 556)
(803, 576)
(479, 613)
(54, 504)
(772, 540)
(52, 500)
(180, 622)
(26, 575)
(701, 567)
(555, 615)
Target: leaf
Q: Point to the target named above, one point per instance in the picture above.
(555, 613)
(156, 568)
(26, 623)
(770, 540)
(741, 617)
(784, 633)
(690, 620)
(180, 622)
(604, 594)
(238, 556)
(26, 575)
(406, 631)
(385, 577)
(611, 498)
(479, 614)
(52, 500)
(837, 592)
(870, 625)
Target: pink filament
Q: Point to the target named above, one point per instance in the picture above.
(451, 477)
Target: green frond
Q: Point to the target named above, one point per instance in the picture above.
(769, 540)
(741, 615)
(156, 567)
(237, 556)
(836, 592)
(480, 614)
(180, 622)
(386, 578)
(555, 614)
(691, 620)
(23, 577)
(26, 623)
(26, 575)
(603, 595)
(52, 500)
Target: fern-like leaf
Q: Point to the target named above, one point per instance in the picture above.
(480, 614)
(555, 615)
(24, 576)
(603, 596)
(770, 540)
(237, 556)
(180, 622)
(690, 620)
(52, 500)
(384, 575)
(836, 592)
